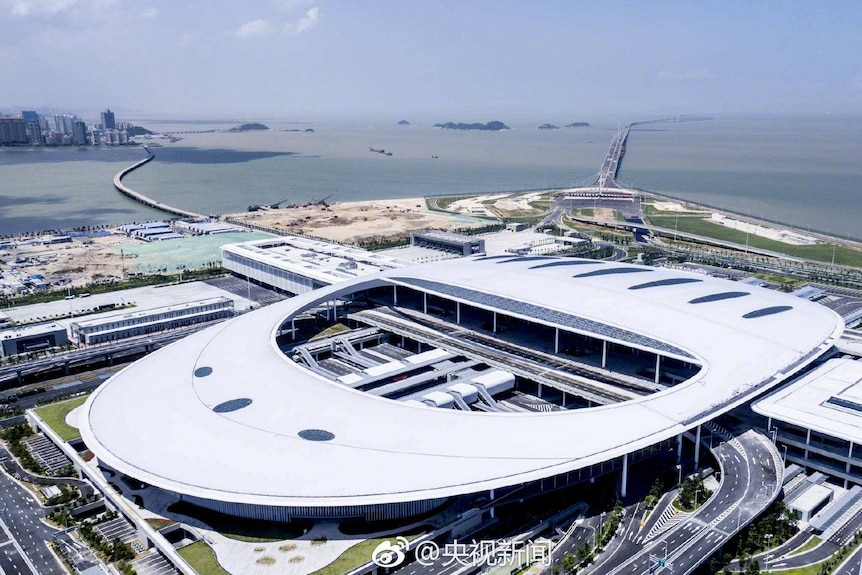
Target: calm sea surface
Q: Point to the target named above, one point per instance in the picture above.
(804, 170)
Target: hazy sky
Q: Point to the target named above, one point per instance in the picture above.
(455, 60)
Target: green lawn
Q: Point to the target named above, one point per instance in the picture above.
(818, 252)
(334, 329)
(202, 558)
(359, 554)
(807, 570)
(55, 416)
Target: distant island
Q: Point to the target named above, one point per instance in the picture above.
(490, 126)
(548, 127)
(248, 128)
(404, 123)
(138, 131)
(578, 125)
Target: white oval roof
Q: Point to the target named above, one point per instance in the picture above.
(156, 421)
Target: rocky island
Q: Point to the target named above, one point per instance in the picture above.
(548, 127)
(404, 123)
(248, 127)
(490, 126)
(578, 125)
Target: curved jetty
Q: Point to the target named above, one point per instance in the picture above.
(140, 198)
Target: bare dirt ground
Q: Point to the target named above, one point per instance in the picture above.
(82, 262)
(359, 222)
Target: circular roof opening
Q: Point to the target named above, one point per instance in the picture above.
(316, 435)
(232, 405)
(203, 371)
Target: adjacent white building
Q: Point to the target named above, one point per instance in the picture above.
(297, 265)
(132, 323)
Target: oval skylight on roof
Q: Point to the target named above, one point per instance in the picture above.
(316, 435)
(767, 311)
(666, 282)
(566, 263)
(525, 259)
(719, 296)
(203, 371)
(612, 272)
(232, 405)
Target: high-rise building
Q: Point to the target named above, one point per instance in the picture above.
(65, 123)
(34, 132)
(79, 133)
(108, 121)
(29, 116)
(33, 127)
(12, 130)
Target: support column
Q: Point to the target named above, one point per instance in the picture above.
(679, 449)
(657, 368)
(492, 499)
(394, 295)
(604, 353)
(425, 302)
(540, 391)
(564, 398)
(495, 322)
(458, 312)
(293, 328)
(625, 480)
(697, 448)
(807, 441)
(66, 368)
(556, 340)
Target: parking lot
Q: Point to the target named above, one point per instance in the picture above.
(153, 564)
(46, 454)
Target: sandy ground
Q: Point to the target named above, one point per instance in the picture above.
(499, 204)
(355, 222)
(780, 235)
(82, 262)
(674, 207)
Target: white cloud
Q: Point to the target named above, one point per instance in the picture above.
(257, 28)
(288, 5)
(702, 74)
(33, 7)
(186, 39)
(307, 22)
(151, 12)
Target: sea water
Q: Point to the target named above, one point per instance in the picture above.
(801, 170)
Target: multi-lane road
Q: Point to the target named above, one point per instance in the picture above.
(23, 536)
(751, 468)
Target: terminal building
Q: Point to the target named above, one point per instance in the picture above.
(817, 419)
(141, 322)
(32, 338)
(391, 393)
(298, 265)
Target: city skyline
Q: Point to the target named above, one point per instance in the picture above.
(306, 58)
